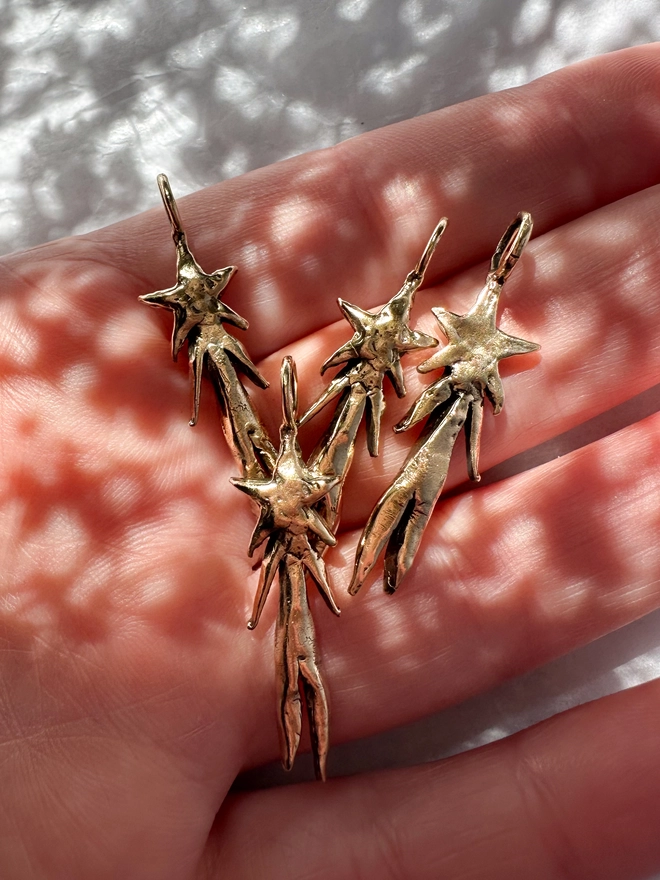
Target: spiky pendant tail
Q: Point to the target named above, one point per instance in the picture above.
(402, 514)
(298, 669)
(279, 482)
(296, 532)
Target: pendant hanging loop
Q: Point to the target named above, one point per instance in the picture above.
(289, 393)
(510, 247)
(417, 274)
(169, 201)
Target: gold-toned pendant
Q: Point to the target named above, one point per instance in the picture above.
(294, 531)
(374, 351)
(199, 318)
(287, 491)
(469, 362)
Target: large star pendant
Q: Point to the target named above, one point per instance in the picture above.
(199, 313)
(195, 298)
(475, 346)
(470, 360)
(287, 500)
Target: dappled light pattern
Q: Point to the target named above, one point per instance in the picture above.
(542, 302)
(125, 584)
(549, 563)
(98, 96)
(99, 471)
(119, 519)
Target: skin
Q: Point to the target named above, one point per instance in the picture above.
(131, 693)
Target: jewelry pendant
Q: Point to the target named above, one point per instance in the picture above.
(300, 503)
(295, 533)
(469, 362)
(284, 488)
(199, 318)
(374, 351)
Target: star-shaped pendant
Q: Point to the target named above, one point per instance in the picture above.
(470, 364)
(379, 340)
(475, 346)
(199, 313)
(287, 500)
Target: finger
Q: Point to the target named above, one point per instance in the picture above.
(352, 220)
(576, 796)
(88, 800)
(587, 291)
(507, 578)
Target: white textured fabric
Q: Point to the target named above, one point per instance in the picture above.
(97, 97)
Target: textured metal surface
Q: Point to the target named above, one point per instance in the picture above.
(199, 316)
(286, 490)
(374, 352)
(81, 135)
(469, 362)
(289, 523)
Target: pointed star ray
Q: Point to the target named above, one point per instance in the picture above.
(316, 567)
(395, 375)
(272, 557)
(374, 412)
(237, 351)
(317, 525)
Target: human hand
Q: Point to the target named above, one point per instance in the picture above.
(132, 692)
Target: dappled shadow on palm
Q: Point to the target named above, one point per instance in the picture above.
(596, 670)
(520, 586)
(590, 291)
(76, 332)
(95, 418)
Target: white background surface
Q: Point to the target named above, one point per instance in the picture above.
(97, 97)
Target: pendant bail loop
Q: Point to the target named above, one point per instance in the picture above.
(289, 382)
(417, 274)
(510, 247)
(169, 201)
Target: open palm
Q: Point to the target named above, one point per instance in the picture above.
(131, 690)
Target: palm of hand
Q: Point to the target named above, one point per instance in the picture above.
(132, 691)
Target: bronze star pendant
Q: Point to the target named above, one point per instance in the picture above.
(475, 346)
(470, 364)
(287, 500)
(199, 313)
(194, 298)
(379, 340)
